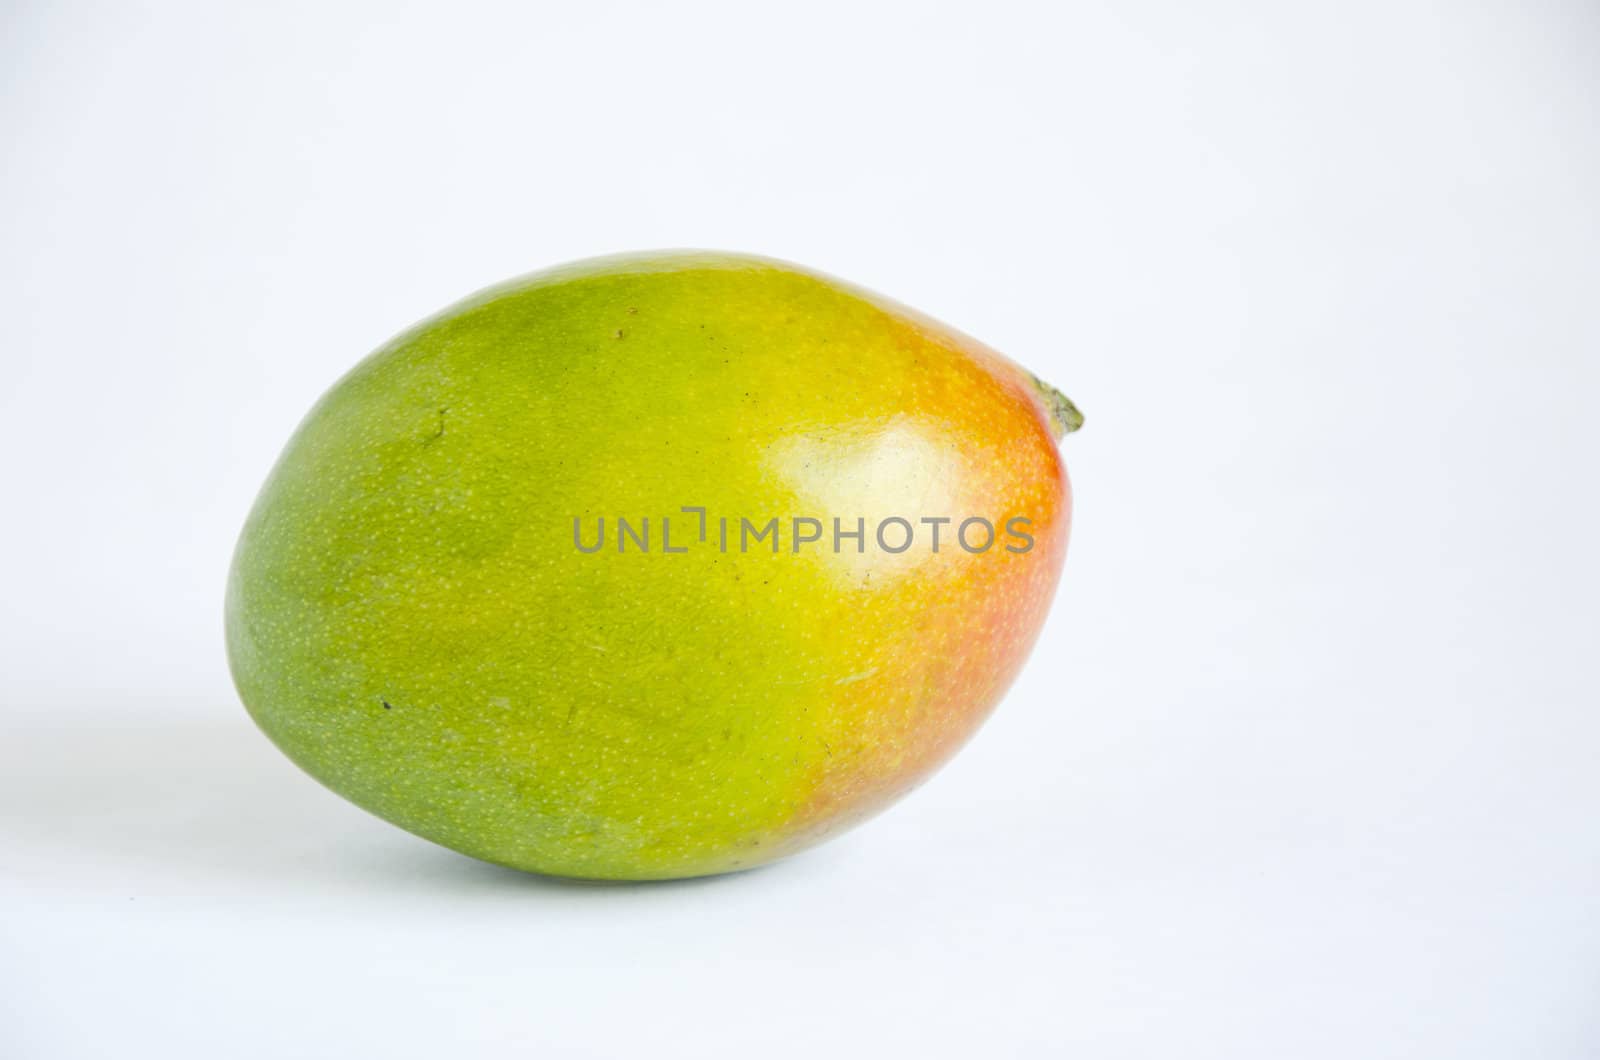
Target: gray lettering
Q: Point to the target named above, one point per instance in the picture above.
(904, 544)
(803, 539)
(702, 513)
(1022, 535)
(666, 538)
(860, 534)
(599, 538)
(988, 527)
(745, 526)
(624, 531)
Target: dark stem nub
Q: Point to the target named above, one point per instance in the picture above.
(1064, 415)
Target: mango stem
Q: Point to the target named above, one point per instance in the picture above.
(1064, 415)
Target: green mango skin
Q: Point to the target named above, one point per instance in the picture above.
(409, 618)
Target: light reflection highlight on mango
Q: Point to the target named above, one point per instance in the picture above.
(898, 469)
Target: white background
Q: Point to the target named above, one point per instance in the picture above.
(1306, 763)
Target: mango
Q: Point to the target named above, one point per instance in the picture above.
(650, 566)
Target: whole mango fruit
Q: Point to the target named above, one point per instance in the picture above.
(650, 566)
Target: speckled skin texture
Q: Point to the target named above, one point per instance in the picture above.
(409, 619)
